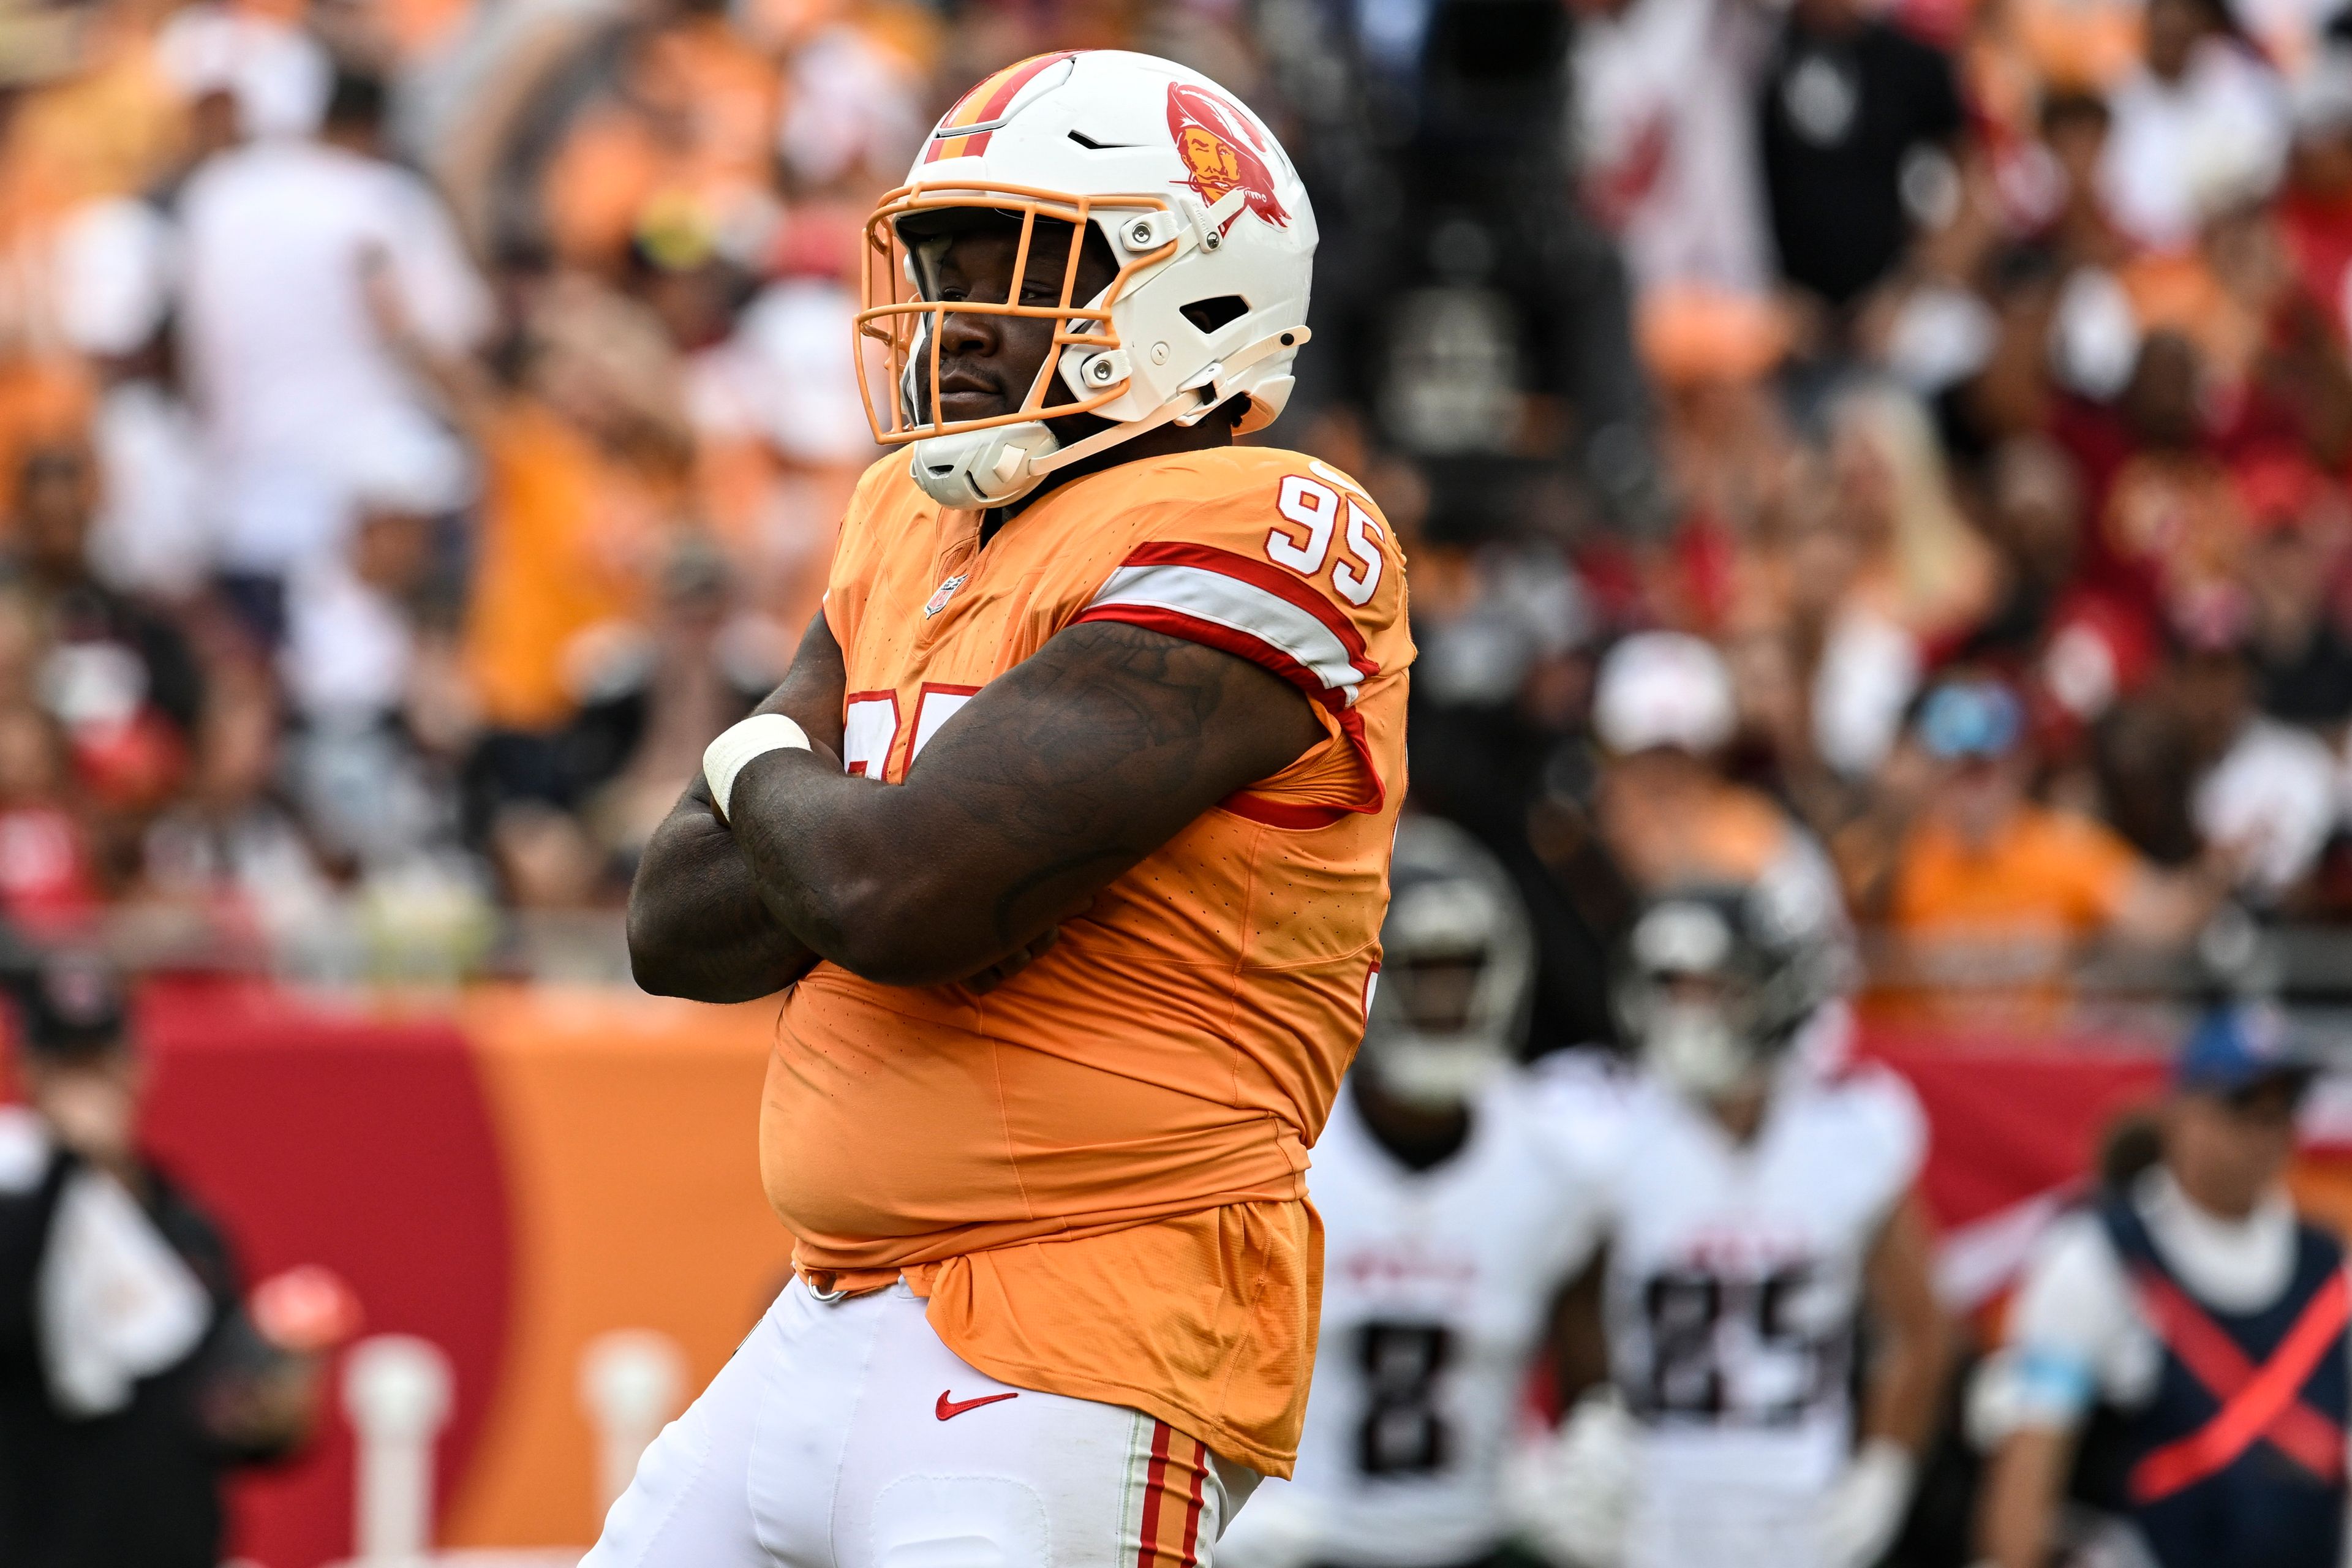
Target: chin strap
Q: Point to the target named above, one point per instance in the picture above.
(1176, 410)
(1188, 407)
(999, 465)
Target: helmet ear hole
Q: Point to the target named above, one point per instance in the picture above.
(1222, 310)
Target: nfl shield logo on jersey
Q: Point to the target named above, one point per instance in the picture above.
(942, 593)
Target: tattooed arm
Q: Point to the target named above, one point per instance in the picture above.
(1060, 775)
(698, 928)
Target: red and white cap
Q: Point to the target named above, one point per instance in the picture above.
(1664, 689)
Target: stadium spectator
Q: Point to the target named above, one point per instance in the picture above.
(1663, 712)
(2033, 520)
(283, 356)
(50, 888)
(2163, 509)
(2198, 126)
(275, 76)
(1860, 570)
(1924, 570)
(651, 695)
(2180, 1345)
(354, 652)
(2075, 128)
(585, 453)
(780, 423)
(232, 854)
(117, 272)
(2295, 636)
(2315, 203)
(356, 630)
(1500, 684)
(1469, 306)
(2262, 795)
(1980, 886)
(131, 1375)
(120, 677)
(1850, 103)
(1668, 142)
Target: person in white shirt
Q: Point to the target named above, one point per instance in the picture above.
(285, 361)
(1666, 134)
(1762, 1209)
(1453, 1218)
(2199, 129)
(2177, 1351)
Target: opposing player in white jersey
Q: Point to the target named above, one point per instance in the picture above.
(1450, 1229)
(1761, 1215)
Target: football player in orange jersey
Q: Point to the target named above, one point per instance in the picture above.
(1070, 999)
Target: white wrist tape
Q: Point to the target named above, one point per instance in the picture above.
(738, 744)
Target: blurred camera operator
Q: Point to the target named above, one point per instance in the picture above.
(2178, 1350)
(130, 1376)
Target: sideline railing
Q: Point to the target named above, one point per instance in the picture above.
(2015, 986)
(2029, 986)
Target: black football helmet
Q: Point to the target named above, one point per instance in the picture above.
(1716, 979)
(1450, 1004)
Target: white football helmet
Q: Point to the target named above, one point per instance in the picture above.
(1203, 211)
(1457, 971)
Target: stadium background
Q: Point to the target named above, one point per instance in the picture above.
(364, 600)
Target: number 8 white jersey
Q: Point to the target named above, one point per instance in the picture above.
(1438, 1291)
(1734, 1291)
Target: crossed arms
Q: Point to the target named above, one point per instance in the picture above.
(1060, 775)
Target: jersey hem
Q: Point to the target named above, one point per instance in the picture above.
(1055, 1228)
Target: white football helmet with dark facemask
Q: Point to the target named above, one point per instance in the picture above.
(1716, 982)
(1449, 1009)
(1205, 217)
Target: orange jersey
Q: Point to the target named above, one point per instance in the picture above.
(1095, 1172)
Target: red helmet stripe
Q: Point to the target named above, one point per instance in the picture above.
(985, 102)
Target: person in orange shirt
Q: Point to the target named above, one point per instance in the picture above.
(1989, 896)
(1068, 1002)
(585, 459)
(1664, 710)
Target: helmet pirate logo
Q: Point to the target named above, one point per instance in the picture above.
(1221, 153)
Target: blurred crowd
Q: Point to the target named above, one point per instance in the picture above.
(423, 423)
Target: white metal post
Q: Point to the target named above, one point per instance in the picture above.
(631, 1381)
(396, 1391)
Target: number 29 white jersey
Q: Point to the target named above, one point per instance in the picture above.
(1438, 1290)
(1734, 1290)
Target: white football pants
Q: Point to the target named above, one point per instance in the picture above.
(845, 1435)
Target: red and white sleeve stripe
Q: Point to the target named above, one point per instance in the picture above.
(1252, 609)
